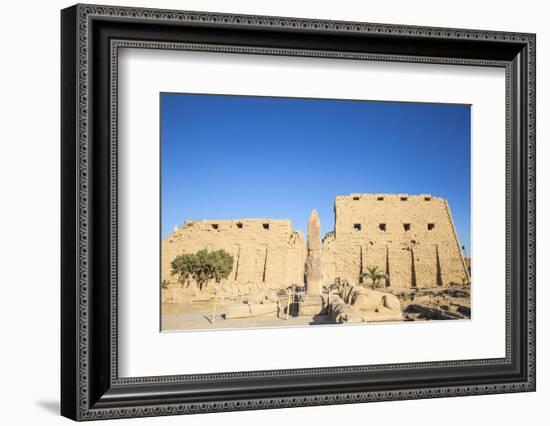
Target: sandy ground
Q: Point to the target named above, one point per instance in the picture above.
(421, 305)
(197, 321)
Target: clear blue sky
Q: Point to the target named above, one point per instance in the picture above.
(229, 157)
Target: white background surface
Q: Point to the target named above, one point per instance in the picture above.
(140, 343)
(29, 225)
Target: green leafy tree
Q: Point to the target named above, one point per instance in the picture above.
(203, 266)
(184, 266)
(203, 269)
(222, 263)
(375, 275)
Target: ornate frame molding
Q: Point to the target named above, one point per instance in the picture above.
(88, 402)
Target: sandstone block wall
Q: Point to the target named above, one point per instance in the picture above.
(411, 238)
(264, 250)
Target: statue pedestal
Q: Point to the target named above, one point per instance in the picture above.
(311, 305)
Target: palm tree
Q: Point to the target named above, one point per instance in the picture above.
(375, 275)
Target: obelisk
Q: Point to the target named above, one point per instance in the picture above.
(314, 279)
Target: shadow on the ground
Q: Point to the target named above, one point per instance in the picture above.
(320, 320)
(50, 406)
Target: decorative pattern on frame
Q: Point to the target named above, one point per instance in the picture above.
(85, 14)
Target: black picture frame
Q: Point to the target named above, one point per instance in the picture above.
(90, 386)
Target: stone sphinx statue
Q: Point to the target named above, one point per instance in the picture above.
(355, 304)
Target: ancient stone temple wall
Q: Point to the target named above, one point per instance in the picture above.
(264, 250)
(411, 238)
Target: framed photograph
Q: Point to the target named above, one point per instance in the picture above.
(264, 212)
